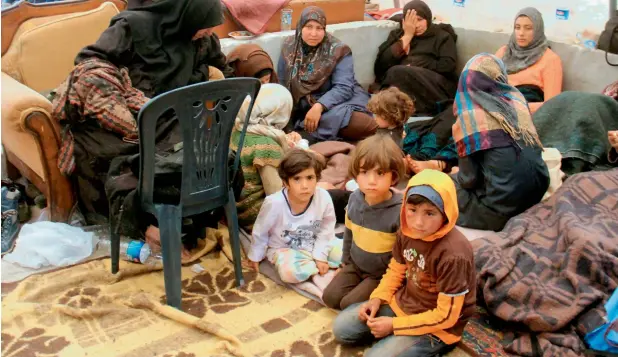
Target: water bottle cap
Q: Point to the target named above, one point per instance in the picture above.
(303, 144)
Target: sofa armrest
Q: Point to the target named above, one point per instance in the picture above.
(31, 139)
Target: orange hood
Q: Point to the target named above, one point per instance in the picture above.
(445, 187)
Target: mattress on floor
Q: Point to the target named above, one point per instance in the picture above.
(337, 12)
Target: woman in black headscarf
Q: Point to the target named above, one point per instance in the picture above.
(163, 45)
(166, 44)
(419, 58)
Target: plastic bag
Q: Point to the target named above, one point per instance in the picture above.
(605, 337)
(51, 244)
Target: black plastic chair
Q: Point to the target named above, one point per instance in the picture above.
(205, 184)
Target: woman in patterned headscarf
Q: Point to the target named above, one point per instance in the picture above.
(532, 66)
(501, 169)
(318, 69)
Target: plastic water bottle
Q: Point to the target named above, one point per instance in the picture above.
(286, 19)
(135, 251)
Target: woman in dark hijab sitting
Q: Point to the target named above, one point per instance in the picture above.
(420, 59)
(162, 45)
(165, 44)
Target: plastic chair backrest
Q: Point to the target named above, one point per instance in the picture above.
(207, 113)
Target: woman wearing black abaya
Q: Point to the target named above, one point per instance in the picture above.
(163, 45)
(420, 59)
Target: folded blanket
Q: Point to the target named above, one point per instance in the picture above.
(338, 158)
(553, 267)
(576, 123)
(254, 14)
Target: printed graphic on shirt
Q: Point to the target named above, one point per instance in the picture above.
(302, 237)
(416, 270)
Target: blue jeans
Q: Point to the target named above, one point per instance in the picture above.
(348, 329)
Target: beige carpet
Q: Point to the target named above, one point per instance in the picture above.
(86, 311)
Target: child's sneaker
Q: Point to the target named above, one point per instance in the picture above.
(10, 198)
(10, 226)
(10, 217)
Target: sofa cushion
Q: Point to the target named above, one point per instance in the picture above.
(42, 56)
(583, 69)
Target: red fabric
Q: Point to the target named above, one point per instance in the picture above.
(383, 14)
(253, 15)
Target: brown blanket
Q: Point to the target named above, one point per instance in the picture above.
(338, 157)
(553, 267)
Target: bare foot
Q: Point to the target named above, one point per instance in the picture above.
(153, 238)
(418, 166)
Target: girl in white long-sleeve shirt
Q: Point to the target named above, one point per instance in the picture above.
(295, 229)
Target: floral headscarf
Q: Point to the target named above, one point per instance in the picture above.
(307, 68)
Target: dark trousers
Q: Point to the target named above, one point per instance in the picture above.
(349, 287)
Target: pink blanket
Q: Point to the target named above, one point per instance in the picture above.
(254, 14)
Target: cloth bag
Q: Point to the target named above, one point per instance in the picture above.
(608, 41)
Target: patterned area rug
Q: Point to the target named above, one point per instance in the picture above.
(86, 311)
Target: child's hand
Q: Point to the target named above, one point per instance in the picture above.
(292, 138)
(381, 326)
(322, 267)
(369, 309)
(613, 138)
(339, 269)
(251, 265)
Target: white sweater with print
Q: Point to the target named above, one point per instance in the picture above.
(276, 227)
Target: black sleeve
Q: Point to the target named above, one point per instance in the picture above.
(390, 54)
(114, 45)
(210, 55)
(469, 172)
(447, 56)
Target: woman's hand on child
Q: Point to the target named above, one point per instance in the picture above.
(322, 267)
(381, 326)
(613, 138)
(369, 309)
(313, 117)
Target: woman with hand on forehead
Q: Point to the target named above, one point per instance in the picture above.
(420, 59)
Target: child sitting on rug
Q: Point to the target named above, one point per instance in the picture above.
(295, 229)
(371, 223)
(391, 109)
(428, 293)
